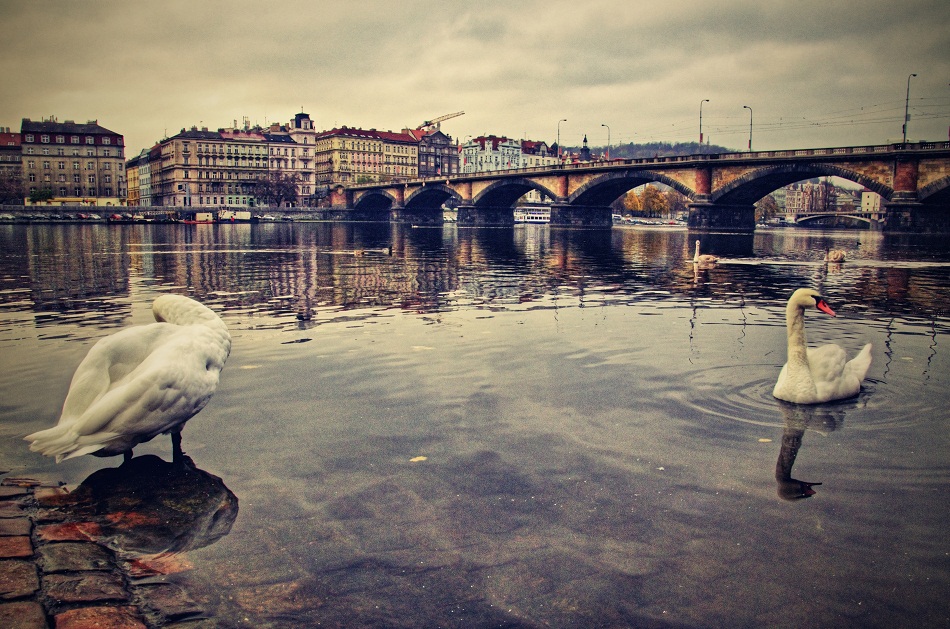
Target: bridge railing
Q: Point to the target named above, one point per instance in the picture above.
(620, 163)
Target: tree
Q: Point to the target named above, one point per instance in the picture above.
(43, 194)
(675, 203)
(652, 201)
(275, 188)
(766, 208)
(631, 202)
(11, 187)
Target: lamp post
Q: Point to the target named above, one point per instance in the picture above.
(907, 108)
(750, 126)
(608, 140)
(559, 137)
(705, 100)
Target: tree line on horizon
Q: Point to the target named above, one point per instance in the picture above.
(632, 150)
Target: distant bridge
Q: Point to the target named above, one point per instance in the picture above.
(912, 178)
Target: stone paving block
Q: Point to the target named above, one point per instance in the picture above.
(86, 587)
(51, 496)
(100, 618)
(74, 556)
(19, 546)
(20, 482)
(23, 615)
(18, 579)
(170, 600)
(12, 491)
(67, 531)
(9, 509)
(11, 527)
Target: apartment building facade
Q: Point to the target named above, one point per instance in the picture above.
(347, 156)
(489, 153)
(72, 163)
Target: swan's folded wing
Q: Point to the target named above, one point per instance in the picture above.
(858, 366)
(826, 363)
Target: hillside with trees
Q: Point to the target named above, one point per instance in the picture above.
(632, 150)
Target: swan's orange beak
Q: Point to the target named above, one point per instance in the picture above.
(825, 308)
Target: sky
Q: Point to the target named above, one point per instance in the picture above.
(812, 73)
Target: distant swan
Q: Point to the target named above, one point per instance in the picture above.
(820, 374)
(141, 382)
(704, 258)
(834, 255)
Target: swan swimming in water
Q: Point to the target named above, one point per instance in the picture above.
(703, 258)
(814, 375)
(834, 255)
(141, 382)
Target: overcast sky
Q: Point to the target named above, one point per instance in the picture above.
(815, 73)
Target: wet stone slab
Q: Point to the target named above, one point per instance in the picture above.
(13, 492)
(18, 579)
(100, 618)
(75, 557)
(10, 527)
(15, 547)
(23, 615)
(88, 587)
(170, 601)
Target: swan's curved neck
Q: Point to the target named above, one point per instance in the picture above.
(795, 327)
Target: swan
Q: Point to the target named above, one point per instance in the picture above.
(818, 374)
(704, 258)
(140, 382)
(834, 255)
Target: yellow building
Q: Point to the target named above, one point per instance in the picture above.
(350, 156)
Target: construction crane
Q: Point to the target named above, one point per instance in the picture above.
(435, 122)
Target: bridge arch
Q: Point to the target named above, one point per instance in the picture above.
(936, 192)
(605, 189)
(375, 200)
(506, 192)
(431, 197)
(752, 186)
(814, 217)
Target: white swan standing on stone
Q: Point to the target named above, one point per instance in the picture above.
(704, 258)
(141, 382)
(819, 374)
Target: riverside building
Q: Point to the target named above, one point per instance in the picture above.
(69, 163)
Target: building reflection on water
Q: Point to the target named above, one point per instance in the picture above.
(295, 268)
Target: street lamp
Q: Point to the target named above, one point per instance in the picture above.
(907, 108)
(559, 136)
(750, 126)
(705, 100)
(608, 140)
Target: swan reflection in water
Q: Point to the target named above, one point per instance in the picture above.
(148, 506)
(798, 419)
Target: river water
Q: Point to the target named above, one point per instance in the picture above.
(521, 427)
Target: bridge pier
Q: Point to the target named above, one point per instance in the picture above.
(723, 218)
(472, 216)
(563, 215)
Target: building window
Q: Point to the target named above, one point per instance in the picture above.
(44, 139)
(91, 178)
(74, 139)
(76, 179)
(106, 140)
(45, 165)
(29, 137)
(60, 139)
(90, 139)
(32, 177)
(62, 165)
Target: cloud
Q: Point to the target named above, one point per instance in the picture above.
(515, 68)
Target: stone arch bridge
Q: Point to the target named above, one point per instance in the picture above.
(913, 179)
